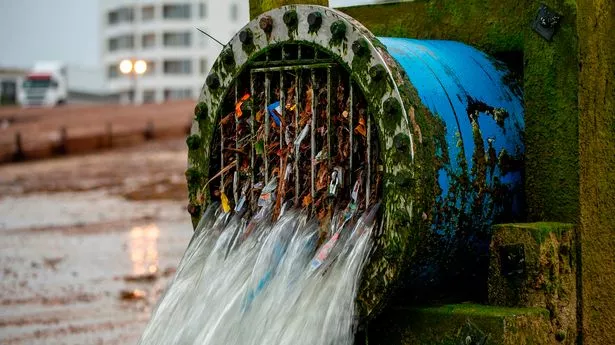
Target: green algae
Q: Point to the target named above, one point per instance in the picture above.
(548, 276)
(456, 324)
(193, 142)
(261, 6)
(596, 25)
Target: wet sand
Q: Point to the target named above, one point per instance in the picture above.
(40, 133)
(89, 243)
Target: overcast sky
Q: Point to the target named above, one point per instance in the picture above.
(66, 30)
(32, 30)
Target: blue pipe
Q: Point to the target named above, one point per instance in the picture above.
(480, 170)
(452, 78)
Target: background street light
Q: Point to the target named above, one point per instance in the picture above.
(134, 69)
(126, 66)
(140, 67)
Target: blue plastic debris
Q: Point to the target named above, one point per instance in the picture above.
(275, 111)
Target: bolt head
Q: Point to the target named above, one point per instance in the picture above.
(392, 106)
(338, 29)
(193, 209)
(245, 36)
(200, 111)
(290, 18)
(228, 57)
(212, 81)
(377, 72)
(266, 24)
(359, 47)
(315, 21)
(400, 142)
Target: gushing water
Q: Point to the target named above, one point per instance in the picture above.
(260, 282)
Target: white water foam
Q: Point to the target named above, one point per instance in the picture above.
(259, 282)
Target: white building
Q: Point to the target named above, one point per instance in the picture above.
(163, 33)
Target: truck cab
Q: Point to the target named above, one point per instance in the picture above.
(45, 85)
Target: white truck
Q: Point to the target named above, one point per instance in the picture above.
(46, 85)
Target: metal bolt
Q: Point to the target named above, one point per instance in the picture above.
(228, 58)
(212, 81)
(290, 18)
(377, 72)
(193, 142)
(338, 29)
(193, 209)
(401, 142)
(200, 111)
(314, 21)
(245, 36)
(392, 106)
(360, 47)
(266, 24)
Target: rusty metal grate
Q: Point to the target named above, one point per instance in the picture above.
(303, 127)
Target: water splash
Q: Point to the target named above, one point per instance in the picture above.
(260, 282)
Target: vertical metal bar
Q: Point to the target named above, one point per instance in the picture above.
(329, 130)
(350, 128)
(282, 118)
(236, 188)
(266, 140)
(297, 131)
(252, 139)
(313, 139)
(222, 157)
(368, 178)
(298, 51)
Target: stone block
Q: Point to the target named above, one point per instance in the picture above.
(462, 324)
(534, 265)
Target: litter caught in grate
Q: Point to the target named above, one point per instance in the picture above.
(295, 135)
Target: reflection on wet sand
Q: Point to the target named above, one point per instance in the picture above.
(143, 248)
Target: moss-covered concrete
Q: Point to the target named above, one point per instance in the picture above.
(502, 28)
(596, 23)
(490, 25)
(551, 115)
(534, 265)
(261, 6)
(462, 324)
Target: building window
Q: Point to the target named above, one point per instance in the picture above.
(151, 68)
(121, 43)
(176, 11)
(234, 12)
(148, 13)
(177, 39)
(148, 41)
(149, 96)
(174, 94)
(121, 15)
(202, 10)
(177, 67)
(204, 68)
(113, 71)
